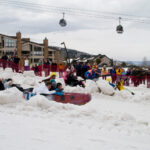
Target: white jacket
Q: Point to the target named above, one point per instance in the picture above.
(42, 89)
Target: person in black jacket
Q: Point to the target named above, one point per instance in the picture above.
(16, 60)
(1, 85)
(4, 60)
(73, 81)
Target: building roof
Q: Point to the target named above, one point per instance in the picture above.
(14, 37)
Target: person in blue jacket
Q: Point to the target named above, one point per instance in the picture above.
(90, 74)
(59, 90)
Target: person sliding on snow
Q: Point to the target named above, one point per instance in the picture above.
(44, 88)
(59, 90)
(91, 74)
(52, 80)
(119, 84)
(73, 81)
(8, 83)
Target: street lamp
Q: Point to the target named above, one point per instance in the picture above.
(63, 43)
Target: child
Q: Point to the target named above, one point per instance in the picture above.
(59, 90)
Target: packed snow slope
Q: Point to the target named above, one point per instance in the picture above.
(118, 122)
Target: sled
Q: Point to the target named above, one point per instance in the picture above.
(72, 98)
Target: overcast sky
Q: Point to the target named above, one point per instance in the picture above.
(85, 33)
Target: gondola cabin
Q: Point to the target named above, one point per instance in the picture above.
(62, 23)
(119, 29)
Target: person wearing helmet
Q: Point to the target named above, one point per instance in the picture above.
(59, 90)
(52, 80)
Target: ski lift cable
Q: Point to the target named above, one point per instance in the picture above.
(98, 16)
(90, 15)
(76, 9)
(64, 9)
(57, 10)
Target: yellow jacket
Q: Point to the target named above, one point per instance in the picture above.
(120, 85)
(118, 71)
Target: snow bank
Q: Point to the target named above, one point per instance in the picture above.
(76, 89)
(29, 81)
(8, 73)
(91, 86)
(105, 87)
(42, 103)
(94, 123)
(11, 95)
(39, 101)
(28, 74)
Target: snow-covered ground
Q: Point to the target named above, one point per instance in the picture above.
(119, 122)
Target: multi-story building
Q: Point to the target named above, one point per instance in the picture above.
(24, 47)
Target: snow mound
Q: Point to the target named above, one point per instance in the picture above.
(91, 86)
(28, 74)
(29, 81)
(11, 95)
(39, 101)
(42, 103)
(105, 87)
(18, 79)
(8, 73)
(76, 89)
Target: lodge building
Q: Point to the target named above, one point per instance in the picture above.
(24, 47)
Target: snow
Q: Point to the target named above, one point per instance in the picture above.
(118, 122)
(105, 87)
(28, 74)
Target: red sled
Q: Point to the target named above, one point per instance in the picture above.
(73, 98)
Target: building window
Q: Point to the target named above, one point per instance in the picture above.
(10, 43)
(26, 53)
(37, 51)
(50, 53)
(9, 53)
(36, 60)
